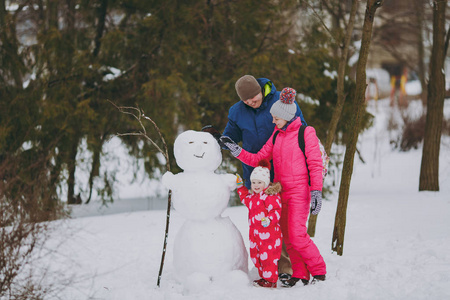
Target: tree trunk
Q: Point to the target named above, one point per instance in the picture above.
(358, 107)
(341, 79)
(101, 15)
(419, 8)
(447, 42)
(69, 35)
(52, 9)
(71, 166)
(12, 62)
(95, 170)
(429, 169)
(340, 101)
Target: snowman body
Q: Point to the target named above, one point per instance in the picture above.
(207, 243)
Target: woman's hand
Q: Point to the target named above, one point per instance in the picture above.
(234, 148)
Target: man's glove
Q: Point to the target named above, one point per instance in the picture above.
(215, 133)
(316, 202)
(239, 181)
(234, 148)
(265, 222)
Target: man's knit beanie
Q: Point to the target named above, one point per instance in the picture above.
(247, 87)
(285, 107)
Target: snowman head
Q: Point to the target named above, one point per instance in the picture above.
(197, 151)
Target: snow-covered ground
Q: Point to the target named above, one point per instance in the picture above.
(397, 239)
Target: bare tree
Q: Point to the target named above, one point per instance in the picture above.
(429, 169)
(420, 21)
(344, 45)
(358, 107)
(343, 59)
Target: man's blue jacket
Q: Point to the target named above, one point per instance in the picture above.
(253, 127)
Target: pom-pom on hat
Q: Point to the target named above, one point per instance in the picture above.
(247, 87)
(287, 95)
(285, 107)
(262, 172)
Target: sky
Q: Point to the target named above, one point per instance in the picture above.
(396, 245)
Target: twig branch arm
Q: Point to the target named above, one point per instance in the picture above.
(166, 150)
(138, 115)
(169, 198)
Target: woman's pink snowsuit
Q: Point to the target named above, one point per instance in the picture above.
(265, 242)
(291, 171)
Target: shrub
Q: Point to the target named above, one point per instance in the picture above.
(24, 207)
(413, 132)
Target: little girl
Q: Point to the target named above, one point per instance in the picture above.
(291, 170)
(264, 212)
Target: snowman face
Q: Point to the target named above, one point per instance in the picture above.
(197, 151)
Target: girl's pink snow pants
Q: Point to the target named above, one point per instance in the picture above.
(304, 255)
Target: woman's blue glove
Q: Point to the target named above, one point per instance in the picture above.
(234, 148)
(316, 202)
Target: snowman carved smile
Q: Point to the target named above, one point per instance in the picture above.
(199, 156)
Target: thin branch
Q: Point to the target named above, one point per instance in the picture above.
(138, 115)
(166, 150)
(321, 21)
(447, 39)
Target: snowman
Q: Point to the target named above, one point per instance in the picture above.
(208, 247)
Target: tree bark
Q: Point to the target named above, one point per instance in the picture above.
(102, 10)
(421, 48)
(52, 14)
(12, 62)
(71, 167)
(429, 169)
(358, 107)
(95, 169)
(341, 79)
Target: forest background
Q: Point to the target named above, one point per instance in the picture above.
(63, 64)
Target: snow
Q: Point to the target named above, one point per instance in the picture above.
(382, 78)
(27, 82)
(12, 7)
(413, 87)
(113, 74)
(396, 241)
(354, 58)
(131, 179)
(329, 74)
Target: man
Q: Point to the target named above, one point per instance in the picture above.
(250, 122)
